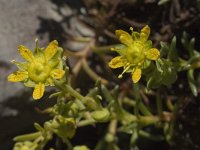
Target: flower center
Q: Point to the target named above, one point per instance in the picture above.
(39, 70)
(135, 54)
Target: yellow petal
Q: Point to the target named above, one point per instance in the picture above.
(153, 54)
(38, 91)
(136, 75)
(25, 53)
(144, 35)
(57, 73)
(51, 49)
(124, 37)
(116, 62)
(18, 76)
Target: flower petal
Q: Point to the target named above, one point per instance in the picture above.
(124, 37)
(38, 91)
(51, 50)
(136, 75)
(18, 76)
(25, 53)
(144, 35)
(57, 73)
(153, 54)
(117, 62)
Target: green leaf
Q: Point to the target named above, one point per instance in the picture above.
(38, 127)
(172, 55)
(164, 49)
(184, 40)
(169, 77)
(162, 2)
(188, 44)
(191, 81)
(154, 80)
(134, 137)
(191, 47)
(128, 128)
(159, 64)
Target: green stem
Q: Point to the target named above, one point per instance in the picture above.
(27, 137)
(137, 97)
(103, 49)
(144, 109)
(169, 104)
(81, 100)
(129, 102)
(127, 118)
(69, 145)
(139, 104)
(92, 74)
(150, 136)
(74, 93)
(159, 104)
(171, 127)
(147, 120)
(113, 127)
(107, 94)
(93, 92)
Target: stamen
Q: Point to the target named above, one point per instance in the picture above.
(127, 67)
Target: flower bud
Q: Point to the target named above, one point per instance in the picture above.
(81, 148)
(101, 115)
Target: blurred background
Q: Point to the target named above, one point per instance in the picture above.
(21, 21)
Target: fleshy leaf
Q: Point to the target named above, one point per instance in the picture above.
(153, 54)
(51, 50)
(144, 35)
(18, 76)
(117, 62)
(25, 53)
(38, 91)
(57, 73)
(136, 75)
(192, 83)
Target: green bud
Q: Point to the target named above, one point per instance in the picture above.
(109, 138)
(90, 103)
(81, 148)
(27, 145)
(74, 108)
(101, 115)
(64, 127)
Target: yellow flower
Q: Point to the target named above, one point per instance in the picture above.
(135, 52)
(40, 68)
